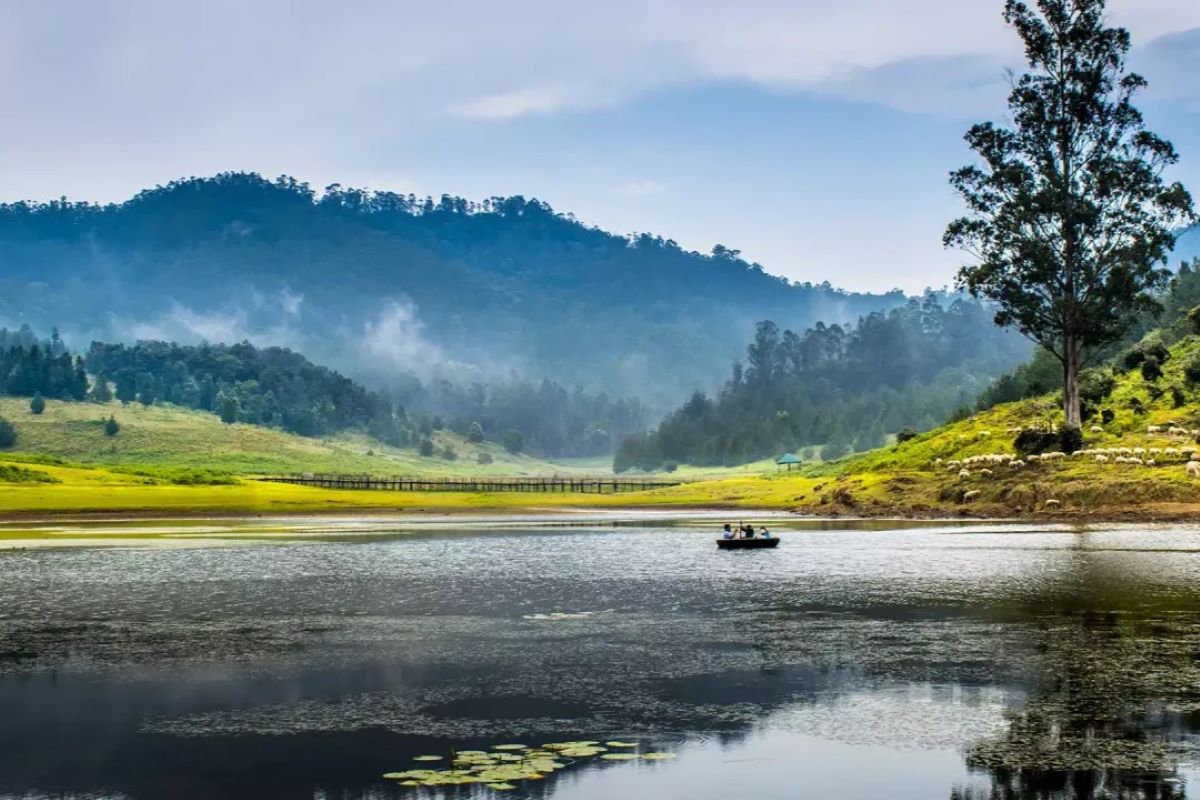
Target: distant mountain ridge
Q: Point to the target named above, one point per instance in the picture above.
(376, 284)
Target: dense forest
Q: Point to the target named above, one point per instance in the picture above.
(375, 283)
(843, 387)
(276, 387)
(1167, 324)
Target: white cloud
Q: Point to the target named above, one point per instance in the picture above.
(646, 188)
(507, 105)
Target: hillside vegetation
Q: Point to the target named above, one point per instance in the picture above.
(370, 283)
(163, 439)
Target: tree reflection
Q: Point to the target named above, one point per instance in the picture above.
(1104, 717)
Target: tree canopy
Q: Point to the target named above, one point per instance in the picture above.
(1070, 217)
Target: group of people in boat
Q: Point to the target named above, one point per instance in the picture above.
(745, 531)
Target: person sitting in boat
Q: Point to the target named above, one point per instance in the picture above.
(766, 534)
(728, 531)
(747, 531)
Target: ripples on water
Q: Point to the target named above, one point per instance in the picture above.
(963, 662)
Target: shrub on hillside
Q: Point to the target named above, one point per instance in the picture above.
(8, 434)
(475, 433)
(1032, 442)
(1191, 370)
(1137, 355)
(426, 448)
(1070, 439)
(111, 426)
(1096, 384)
(14, 474)
(484, 458)
(906, 435)
(1152, 368)
(1193, 317)
(38, 404)
(513, 441)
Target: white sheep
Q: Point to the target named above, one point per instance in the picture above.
(964, 475)
(1052, 504)
(1017, 464)
(1097, 429)
(1193, 469)
(986, 473)
(1153, 429)
(973, 495)
(1101, 459)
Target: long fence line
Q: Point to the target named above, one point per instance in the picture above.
(561, 485)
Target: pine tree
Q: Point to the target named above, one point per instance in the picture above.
(8, 434)
(100, 393)
(229, 409)
(38, 404)
(111, 426)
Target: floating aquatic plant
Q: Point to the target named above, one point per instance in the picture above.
(505, 764)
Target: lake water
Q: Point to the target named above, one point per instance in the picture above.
(855, 661)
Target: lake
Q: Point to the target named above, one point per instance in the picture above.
(856, 661)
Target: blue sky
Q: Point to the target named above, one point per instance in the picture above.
(815, 137)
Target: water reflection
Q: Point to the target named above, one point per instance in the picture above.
(933, 661)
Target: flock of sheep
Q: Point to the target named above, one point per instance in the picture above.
(1141, 456)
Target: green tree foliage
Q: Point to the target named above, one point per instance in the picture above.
(38, 404)
(262, 386)
(8, 434)
(838, 386)
(426, 448)
(111, 426)
(1069, 214)
(229, 409)
(513, 441)
(100, 391)
(29, 366)
(475, 433)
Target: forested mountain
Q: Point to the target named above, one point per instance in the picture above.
(845, 388)
(380, 283)
(276, 387)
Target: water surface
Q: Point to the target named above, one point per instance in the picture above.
(856, 661)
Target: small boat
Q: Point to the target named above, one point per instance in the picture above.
(747, 544)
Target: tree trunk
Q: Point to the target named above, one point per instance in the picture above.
(1071, 403)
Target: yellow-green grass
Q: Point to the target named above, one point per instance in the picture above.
(171, 438)
(899, 479)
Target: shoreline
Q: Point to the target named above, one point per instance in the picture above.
(164, 528)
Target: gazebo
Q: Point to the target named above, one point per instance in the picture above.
(788, 461)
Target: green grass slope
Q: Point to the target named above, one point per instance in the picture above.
(166, 439)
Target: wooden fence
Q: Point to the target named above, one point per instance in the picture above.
(559, 485)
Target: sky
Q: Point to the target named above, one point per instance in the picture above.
(816, 137)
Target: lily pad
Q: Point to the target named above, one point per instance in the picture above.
(620, 744)
(427, 758)
(619, 756)
(510, 747)
(503, 787)
(658, 756)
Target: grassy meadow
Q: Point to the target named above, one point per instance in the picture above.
(167, 460)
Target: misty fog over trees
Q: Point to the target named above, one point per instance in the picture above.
(375, 283)
(845, 388)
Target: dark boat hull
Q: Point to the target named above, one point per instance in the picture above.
(747, 544)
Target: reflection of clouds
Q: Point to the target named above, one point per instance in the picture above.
(904, 717)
